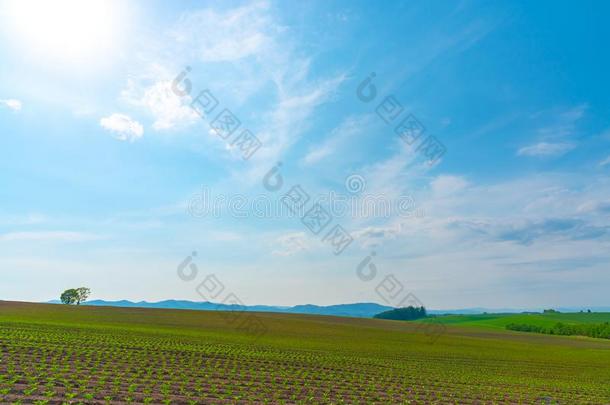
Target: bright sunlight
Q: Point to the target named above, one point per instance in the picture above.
(64, 30)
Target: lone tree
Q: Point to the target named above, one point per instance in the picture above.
(75, 295)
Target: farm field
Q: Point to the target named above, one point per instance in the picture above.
(53, 354)
(499, 321)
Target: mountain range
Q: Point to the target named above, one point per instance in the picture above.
(358, 310)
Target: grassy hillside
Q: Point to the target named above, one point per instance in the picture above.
(57, 353)
(499, 321)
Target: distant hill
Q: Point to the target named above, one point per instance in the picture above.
(357, 310)
(479, 310)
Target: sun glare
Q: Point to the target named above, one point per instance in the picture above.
(68, 30)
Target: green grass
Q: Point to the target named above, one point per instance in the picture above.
(499, 321)
(101, 355)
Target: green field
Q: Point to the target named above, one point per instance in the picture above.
(499, 321)
(64, 354)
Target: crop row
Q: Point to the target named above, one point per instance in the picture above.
(54, 364)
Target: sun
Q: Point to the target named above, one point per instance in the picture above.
(68, 30)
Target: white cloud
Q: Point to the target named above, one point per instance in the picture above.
(244, 51)
(319, 152)
(168, 109)
(445, 185)
(64, 236)
(535, 233)
(291, 244)
(12, 104)
(372, 236)
(553, 218)
(605, 162)
(213, 37)
(123, 126)
(546, 149)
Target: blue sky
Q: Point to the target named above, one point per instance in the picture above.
(102, 163)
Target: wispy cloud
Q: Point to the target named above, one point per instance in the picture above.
(372, 236)
(394, 174)
(236, 52)
(28, 219)
(123, 127)
(63, 236)
(226, 236)
(288, 120)
(349, 128)
(527, 231)
(556, 133)
(605, 162)
(228, 35)
(546, 149)
(562, 123)
(601, 207)
(11, 104)
(291, 244)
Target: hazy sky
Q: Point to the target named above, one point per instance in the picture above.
(104, 164)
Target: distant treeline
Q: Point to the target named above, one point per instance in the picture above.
(596, 330)
(409, 313)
